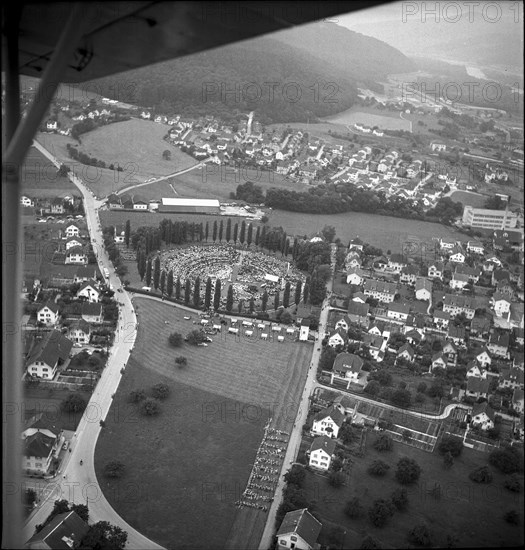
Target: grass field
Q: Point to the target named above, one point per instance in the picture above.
(469, 199)
(468, 511)
(385, 232)
(193, 460)
(385, 120)
(39, 178)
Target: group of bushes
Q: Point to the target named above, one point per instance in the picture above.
(150, 405)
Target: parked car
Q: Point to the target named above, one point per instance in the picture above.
(187, 318)
(203, 344)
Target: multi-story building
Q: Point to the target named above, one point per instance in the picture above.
(489, 219)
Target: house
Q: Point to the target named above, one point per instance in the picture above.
(26, 201)
(63, 532)
(344, 404)
(516, 316)
(435, 270)
(73, 242)
(512, 378)
(76, 256)
(327, 422)
(447, 244)
(344, 322)
(482, 416)
(501, 304)
(376, 346)
(114, 202)
(79, 332)
(490, 264)
(359, 297)
(348, 366)
(358, 312)
(441, 318)
(480, 326)
(484, 358)
(299, 530)
(450, 354)
(48, 314)
(352, 260)
(356, 244)
(473, 273)
(459, 281)
(517, 400)
(46, 356)
(42, 442)
(139, 203)
(398, 311)
(473, 369)
(457, 256)
(406, 352)
(89, 291)
(322, 451)
(500, 277)
(92, 312)
(456, 333)
(338, 337)
(475, 247)
(304, 330)
(499, 343)
(71, 231)
(477, 387)
(455, 305)
(382, 291)
(438, 361)
(414, 337)
(423, 289)
(85, 273)
(355, 276)
(396, 263)
(409, 274)
(119, 234)
(57, 206)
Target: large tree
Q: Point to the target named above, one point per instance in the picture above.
(257, 235)
(217, 295)
(162, 284)
(207, 293)
(187, 292)
(207, 231)
(264, 301)
(169, 284)
(235, 232)
(229, 299)
(214, 236)
(148, 273)
(127, 233)
(286, 295)
(408, 471)
(221, 229)
(242, 234)
(102, 535)
(228, 230)
(178, 289)
(276, 300)
(249, 236)
(298, 291)
(197, 292)
(156, 273)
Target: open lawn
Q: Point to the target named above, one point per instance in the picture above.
(39, 178)
(385, 120)
(469, 199)
(385, 232)
(470, 512)
(193, 460)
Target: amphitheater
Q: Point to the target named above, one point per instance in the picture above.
(250, 272)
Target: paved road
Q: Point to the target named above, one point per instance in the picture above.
(78, 483)
(302, 413)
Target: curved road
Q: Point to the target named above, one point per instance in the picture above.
(77, 483)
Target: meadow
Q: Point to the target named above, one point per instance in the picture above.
(370, 117)
(193, 460)
(471, 513)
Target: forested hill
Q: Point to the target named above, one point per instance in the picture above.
(281, 78)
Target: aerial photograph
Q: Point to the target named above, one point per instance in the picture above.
(263, 275)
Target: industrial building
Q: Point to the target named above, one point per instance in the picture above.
(192, 206)
(489, 219)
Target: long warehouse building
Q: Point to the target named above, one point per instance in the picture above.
(192, 206)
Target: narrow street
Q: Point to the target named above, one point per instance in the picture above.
(78, 483)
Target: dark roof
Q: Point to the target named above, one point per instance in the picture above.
(479, 385)
(41, 422)
(54, 346)
(333, 413)
(397, 258)
(342, 333)
(439, 314)
(500, 339)
(359, 309)
(80, 325)
(63, 532)
(348, 361)
(51, 305)
(399, 307)
(85, 271)
(91, 309)
(410, 270)
(484, 407)
(406, 347)
(456, 331)
(38, 445)
(458, 301)
(380, 286)
(303, 524)
(90, 283)
(323, 442)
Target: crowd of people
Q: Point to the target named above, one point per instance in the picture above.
(265, 472)
(246, 271)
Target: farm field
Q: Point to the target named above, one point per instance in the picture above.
(385, 120)
(206, 437)
(39, 178)
(385, 232)
(470, 512)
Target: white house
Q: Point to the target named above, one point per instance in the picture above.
(501, 304)
(338, 338)
(299, 531)
(89, 290)
(355, 276)
(46, 356)
(517, 400)
(321, 452)
(398, 311)
(42, 442)
(92, 312)
(435, 270)
(79, 332)
(72, 242)
(459, 281)
(482, 416)
(304, 330)
(26, 201)
(48, 314)
(347, 366)
(423, 289)
(71, 231)
(484, 358)
(475, 247)
(327, 422)
(76, 256)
